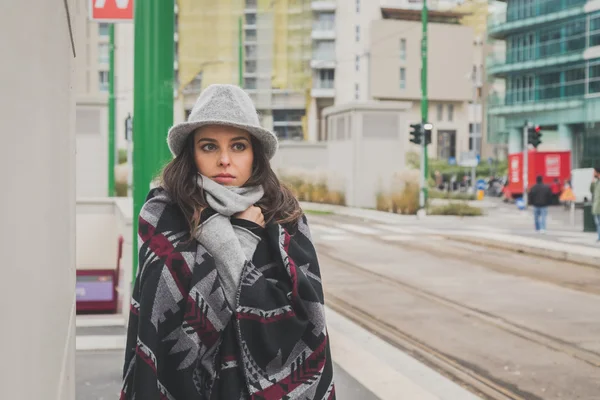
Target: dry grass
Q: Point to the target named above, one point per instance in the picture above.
(312, 189)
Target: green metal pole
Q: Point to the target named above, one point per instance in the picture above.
(111, 111)
(424, 100)
(152, 98)
(240, 54)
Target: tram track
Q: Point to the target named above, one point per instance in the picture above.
(492, 258)
(466, 374)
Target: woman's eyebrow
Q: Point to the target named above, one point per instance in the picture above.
(206, 140)
(240, 138)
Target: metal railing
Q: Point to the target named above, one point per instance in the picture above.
(323, 84)
(552, 92)
(540, 51)
(323, 25)
(524, 9)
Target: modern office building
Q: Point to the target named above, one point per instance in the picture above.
(551, 70)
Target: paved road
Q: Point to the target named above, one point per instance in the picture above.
(525, 324)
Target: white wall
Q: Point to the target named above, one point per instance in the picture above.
(37, 232)
(300, 156)
(92, 149)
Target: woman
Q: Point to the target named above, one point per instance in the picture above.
(228, 302)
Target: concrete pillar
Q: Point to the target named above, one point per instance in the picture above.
(37, 228)
(313, 122)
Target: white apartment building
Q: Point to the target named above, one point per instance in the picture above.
(322, 64)
(378, 58)
(91, 93)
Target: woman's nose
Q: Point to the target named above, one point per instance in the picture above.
(224, 158)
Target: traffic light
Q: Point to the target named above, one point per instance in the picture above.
(534, 135)
(427, 129)
(415, 133)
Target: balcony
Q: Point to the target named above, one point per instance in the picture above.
(323, 88)
(323, 5)
(542, 55)
(532, 14)
(323, 30)
(549, 97)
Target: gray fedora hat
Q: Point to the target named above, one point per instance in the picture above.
(222, 105)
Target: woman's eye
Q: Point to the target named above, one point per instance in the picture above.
(209, 147)
(239, 146)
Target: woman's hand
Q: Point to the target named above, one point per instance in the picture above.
(252, 214)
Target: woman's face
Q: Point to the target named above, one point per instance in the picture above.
(223, 154)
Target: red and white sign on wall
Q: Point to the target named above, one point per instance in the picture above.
(111, 10)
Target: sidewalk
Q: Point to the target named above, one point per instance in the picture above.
(563, 245)
(365, 366)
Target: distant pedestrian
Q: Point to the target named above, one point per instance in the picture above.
(595, 189)
(556, 189)
(540, 197)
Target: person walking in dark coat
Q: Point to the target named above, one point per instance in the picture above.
(540, 197)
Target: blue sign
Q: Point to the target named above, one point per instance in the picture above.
(452, 161)
(480, 184)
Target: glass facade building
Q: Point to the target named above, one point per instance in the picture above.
(551, 72)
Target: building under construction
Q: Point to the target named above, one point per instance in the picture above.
(265, 46)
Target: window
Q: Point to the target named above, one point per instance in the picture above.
(357, 63)
(251, 35)
(403, 49)
(357, 6)
(595, 30)
(103, 81)
(325, 22)
(356, 91)
(549, 84)
(574, 82)
(594, 77)
(250, 67)
(324, 50)
(357, 33)
(250, 83)
(250, 19)
(450, 112)
(103, 53)
(440, 112)
(402, 78)
(103, 29)
(326, 78)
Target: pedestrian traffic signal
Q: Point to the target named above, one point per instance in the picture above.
(415, 133)
(427, 129)
(534, 135)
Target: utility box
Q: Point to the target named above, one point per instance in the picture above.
(366, 147)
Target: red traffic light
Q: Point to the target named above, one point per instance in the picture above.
(537, 129)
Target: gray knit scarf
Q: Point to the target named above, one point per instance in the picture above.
(231, 246)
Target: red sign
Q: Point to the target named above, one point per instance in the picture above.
(111, 10)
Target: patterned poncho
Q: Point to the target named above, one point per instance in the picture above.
(185, 343)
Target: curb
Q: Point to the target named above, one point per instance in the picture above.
(545, 252)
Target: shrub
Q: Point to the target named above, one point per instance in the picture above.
(437, 194)
(306, 189)
(460, 208)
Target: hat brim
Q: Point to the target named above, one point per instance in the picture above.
(178, 135)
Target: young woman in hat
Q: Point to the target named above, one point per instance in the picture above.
(228, 302)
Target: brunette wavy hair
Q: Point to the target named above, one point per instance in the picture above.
(178, 179)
